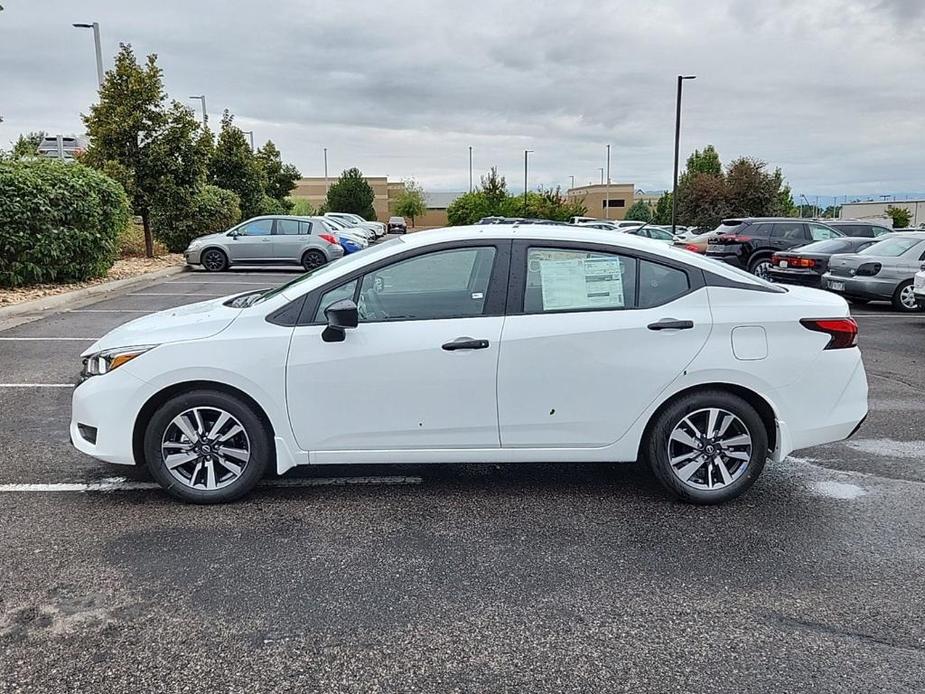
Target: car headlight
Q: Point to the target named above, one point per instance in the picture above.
(109, 359)
(194, 244)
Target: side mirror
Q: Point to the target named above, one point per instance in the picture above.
(233, 234)
(341, 316)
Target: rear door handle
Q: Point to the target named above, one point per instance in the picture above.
(465, 343)
(671, 324)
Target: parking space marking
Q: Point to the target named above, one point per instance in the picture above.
(120, 484)
(50, 339)
(110, 310)
(261, 284)
(36, 385)
(175, 294)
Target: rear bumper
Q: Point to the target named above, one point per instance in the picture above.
(733, 259)
(861, 287)
(804, 279)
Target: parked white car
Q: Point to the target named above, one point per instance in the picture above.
(918, 287)
(378, 228)
(341, 225)
(350, 233)
(490, 344)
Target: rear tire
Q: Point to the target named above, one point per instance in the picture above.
(312, 260)
(904, 298)
(214, 260)
(701, 466)
(760, 268)
(207, 447)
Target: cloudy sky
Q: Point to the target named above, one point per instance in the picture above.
(829, 90)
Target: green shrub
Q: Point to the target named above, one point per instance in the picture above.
(270, 205)
(207, 210)
(131, 242)
(58, 222)
(301, 207)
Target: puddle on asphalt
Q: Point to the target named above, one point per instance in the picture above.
(837, 490)
(889, 447)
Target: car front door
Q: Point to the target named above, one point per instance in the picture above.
(594, 337)
(419, 371)
(252, 242)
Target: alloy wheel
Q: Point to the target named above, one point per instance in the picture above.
(205, 448)
(709, 449)
(213, 260)
(313, 259)
(761, 270)
(907, 297)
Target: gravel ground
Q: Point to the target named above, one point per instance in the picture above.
(459, 578)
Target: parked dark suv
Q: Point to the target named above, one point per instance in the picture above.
(857, 227)
(749, 243)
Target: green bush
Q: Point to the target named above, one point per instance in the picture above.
(270, 205)
(58, 222)
(301, 207)
(209, 209)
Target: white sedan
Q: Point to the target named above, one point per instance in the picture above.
(495, 343)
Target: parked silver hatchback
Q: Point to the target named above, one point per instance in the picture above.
(269, 240)
(884, 271)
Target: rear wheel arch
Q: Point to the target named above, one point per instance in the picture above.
(162, 396)
(761, 406)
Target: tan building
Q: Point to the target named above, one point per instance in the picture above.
(876, 210)
(605, 201)
(315, 191)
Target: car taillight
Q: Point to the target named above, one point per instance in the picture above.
(802, 262)
(868, 269)
(691, 247)
(843, 331)
(775, 259)
(329, 238)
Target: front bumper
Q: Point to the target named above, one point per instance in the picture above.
(192, 256)
(108, 404)
(874, 288)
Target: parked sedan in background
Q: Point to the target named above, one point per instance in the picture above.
(652, 232)
(696, 244)
(918, 287)
(749, 243)
(807, 264)
(884, 271)
(364, 233)
(397, 225)
(268, 240)
(378, 228)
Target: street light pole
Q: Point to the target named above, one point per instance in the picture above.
(470, 168)
(251, 133)
(677, 145)
(96, 43)
(325, 170)
(205, 116)
(526, 152)
(573, 181)
(607, 189)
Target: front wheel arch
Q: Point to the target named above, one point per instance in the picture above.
(162, 396)
(762, 407)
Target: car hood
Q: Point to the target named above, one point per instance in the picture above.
(221, 235)
(189, 322)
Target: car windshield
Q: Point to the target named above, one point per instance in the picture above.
(344, 263)
(891, 248)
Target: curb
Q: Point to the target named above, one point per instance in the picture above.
(27, 311)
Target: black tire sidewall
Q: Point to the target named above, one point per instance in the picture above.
(656, 445)
(316, 253)
(224, 256)
(753, 264)
(260, 442)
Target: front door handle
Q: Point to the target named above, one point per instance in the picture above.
(671, 324)
(465, 343)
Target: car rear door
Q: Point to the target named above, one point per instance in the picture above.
(420, 370)
(787, 235)
(289, 239)
(592, 338)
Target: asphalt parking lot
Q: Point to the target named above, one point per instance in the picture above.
(456, 578)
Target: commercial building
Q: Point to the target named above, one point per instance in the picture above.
(876, 209)
(315, 190)
(603, 200)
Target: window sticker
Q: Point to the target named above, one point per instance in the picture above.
(581, 283)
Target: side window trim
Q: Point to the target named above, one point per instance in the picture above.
(495, 301)
(517, 284)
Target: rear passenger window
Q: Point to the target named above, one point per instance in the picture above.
(659, 284)
(790, 231)
(287, 227)
(560, 279)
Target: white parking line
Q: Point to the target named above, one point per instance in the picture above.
(43, 339)
(120, 484)
(36, 385)
(175, 294)
(109, 310)
(259, 284)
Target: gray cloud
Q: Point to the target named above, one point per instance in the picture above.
(827, 90)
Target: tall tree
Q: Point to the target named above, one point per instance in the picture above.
(410, 202)
(281, 178)
(351, 193)
(640, 211)
(493, 185)
(234, 167)
(662, 214)
(154, 149)
(27, 145)
(705, 162)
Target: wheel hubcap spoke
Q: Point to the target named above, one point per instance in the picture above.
(205, 448)
(715, 458)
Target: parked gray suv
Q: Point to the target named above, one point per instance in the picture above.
(273, 240)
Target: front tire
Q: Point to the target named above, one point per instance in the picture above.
(207, 447)
(904, 298)
(214, 260)
(707, 447)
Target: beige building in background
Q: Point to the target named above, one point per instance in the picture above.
(605, 201)
(315, 190)
(876, 209)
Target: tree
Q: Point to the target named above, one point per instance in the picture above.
(410, 202)
(900, 216)
(234, 167)
(641, 211)
(750, 190)
(281, 178)
(493, 185)
(209, 209)
(702, 201)
(470, 208)
(705, 162)
(154, 150)
(301, 207)
(351, 193)
(662, 214)
(27, 145)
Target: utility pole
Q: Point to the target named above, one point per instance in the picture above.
(607, 189)
(573, 181)
(677, 145)
(526, 152)
(470, 168)
(205, 116)
(251, 133)
(96, 43)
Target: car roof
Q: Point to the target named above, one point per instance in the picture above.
(741, 220)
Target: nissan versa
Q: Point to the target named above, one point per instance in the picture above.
(496, 343)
